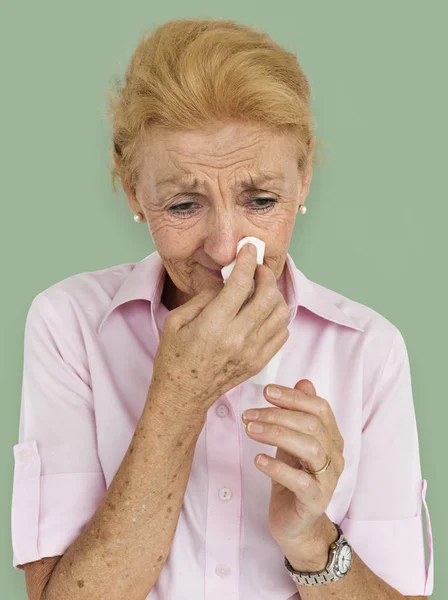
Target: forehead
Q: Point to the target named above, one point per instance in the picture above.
(250, 155)
(254, 179)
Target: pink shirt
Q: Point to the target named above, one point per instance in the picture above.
(89, 345)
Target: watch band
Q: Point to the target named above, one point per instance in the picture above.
(331, 572)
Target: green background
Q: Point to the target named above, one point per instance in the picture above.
(377, 207)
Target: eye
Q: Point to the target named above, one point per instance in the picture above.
(182, 210)
(266, 207)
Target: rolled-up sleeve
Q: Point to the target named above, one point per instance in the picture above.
(58, 480)
(384, 523)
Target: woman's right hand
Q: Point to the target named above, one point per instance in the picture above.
(212, 343)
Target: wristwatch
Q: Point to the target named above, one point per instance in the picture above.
(339, 563)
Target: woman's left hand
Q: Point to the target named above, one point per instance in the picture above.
(304, 430)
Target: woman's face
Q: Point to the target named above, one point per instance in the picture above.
(215, 196)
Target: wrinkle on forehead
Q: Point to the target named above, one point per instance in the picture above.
(191, 183)
(251, 156)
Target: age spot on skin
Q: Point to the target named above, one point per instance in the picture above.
(80, 583)
(159, 559)
(177, 354)
(169, 495)
(169, 509)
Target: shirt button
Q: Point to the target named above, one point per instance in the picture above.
(222, 410)
(225, 493)
(222, 570)
(25, 455)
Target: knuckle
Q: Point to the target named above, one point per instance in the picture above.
(286, 334)
(270, 294)
(315, 449)
(243, 285)
(304, 481)
(277, 431)
(314, 425)
(277, 469)
(324, 407)
(284, 313)
(269, 415)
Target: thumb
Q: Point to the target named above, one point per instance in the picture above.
(191, 309)
(305, 385)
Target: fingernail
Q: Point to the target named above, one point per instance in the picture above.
(262, 460)
(251, 415)
(274, 391)
(255, 427)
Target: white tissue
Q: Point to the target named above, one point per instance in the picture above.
(259, 244)
(269, 373)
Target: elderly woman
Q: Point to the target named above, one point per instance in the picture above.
(153, 460)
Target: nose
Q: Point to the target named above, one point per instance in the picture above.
(222, 249)
(221, 239)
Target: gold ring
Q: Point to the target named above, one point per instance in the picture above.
(324, 468)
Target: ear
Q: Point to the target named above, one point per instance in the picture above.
(311, 146)
(132, 200)
(308, 172)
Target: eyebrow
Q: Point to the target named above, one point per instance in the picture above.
(188, 184)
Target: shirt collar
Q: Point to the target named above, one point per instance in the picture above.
(145, 282)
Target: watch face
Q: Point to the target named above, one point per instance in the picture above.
(344, 558)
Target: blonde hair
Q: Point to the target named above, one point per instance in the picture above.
(194, 73)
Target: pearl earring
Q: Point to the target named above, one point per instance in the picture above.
(138, 217)
(302, 209)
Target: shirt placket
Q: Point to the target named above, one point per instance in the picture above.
(222, 544)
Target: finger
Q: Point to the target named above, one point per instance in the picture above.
(237, 288)
(295, 420)
(303, 485)
(294, 399)
(306, 448)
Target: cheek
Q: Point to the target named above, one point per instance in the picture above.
(171, 241)
(161, 225)
(278, 236)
